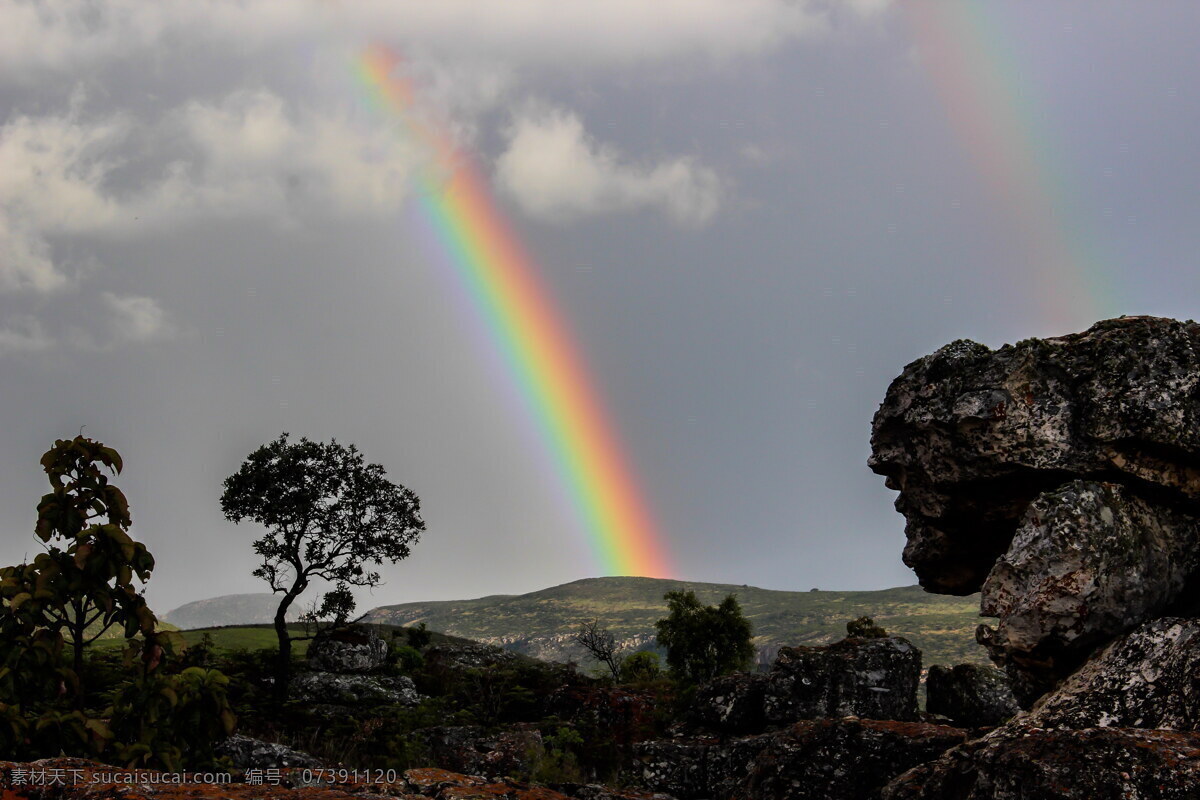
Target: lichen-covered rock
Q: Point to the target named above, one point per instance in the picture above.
(471, 750)
(245, 752)
(356, 649)
(333, 689)
(731, 705)
(970, 435)
(841, 759)
(1088, 561)
(870, 678)
(874, 678)
(1022, 763)
(970, 695)
(624, 715)
(469, 656)
(1060, 476)
(1144, 679)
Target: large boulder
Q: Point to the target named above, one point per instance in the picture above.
(357, 649)
(1088, 561)
(833, 759)
(970, 435)
(1060, 476)
(1023, 763)
(1144, 679)
(970, 695)
(333, 689)
(245, 752)
(874, 678)
(471, 750)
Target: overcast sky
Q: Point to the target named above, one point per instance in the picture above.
(753, 214)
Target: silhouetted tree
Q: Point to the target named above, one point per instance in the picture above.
(601, 644)
(705, 641)
(328, 515)
(82, 585)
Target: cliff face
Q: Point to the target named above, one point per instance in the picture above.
(1061, 479)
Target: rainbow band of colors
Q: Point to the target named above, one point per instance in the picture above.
(961, 45)
(533, 340)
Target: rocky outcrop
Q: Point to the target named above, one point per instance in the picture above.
(839, 759)
(471, 750)
(356, 649)
(1060, 476)
(872, 678)
(970, 695)
(469, 656)
(1022, 763)
(331, 688)
(1144, 679)
(245, 752)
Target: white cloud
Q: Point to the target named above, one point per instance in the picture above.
(135, 319)
(23, 334)
(246, 154)
(556, 171)
(52, 174)
(69, 34)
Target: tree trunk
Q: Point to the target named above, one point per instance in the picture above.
(76, 627)
(283, 668)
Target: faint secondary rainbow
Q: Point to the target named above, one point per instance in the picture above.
(994, 114)
(529, 333)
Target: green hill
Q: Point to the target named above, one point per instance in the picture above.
(541, 624)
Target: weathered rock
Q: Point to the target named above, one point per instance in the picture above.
(1061, 476)
(469, 656)
(969, 436)
(623, 715)
(870, 678)
(245, 752)
(731, 705)
(469, 749)
(1088, 561)
(329, 688)
(1021, 763)
(357, 649)
(1144, 679)
(970, 695)
(874, 678)
(846, 759)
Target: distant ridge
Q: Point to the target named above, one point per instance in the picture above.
(541, 623)
(230, 609)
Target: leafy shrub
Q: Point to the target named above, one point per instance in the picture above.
(865, 628)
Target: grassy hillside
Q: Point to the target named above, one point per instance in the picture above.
(261, 637)
(541, 623)
(230, 609)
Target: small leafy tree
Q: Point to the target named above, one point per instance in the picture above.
(865, 628)
(65, 599)
(328, 515)
(704, 641)
(83, 584)
(600, 644)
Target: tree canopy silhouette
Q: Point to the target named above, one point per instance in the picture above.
(328, 515)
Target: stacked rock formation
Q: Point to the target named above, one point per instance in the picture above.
(1061, 478)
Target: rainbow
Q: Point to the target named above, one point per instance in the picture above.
(998, 122)
(533, 340)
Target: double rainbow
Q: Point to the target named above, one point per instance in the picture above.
(530, 335)
(994, 112)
